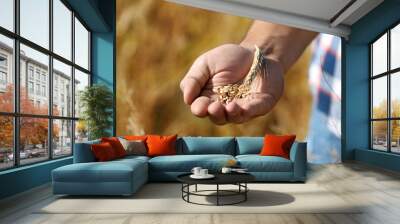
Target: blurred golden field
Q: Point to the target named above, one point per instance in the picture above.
(157, 42)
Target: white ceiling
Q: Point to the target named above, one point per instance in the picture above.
(327, 16)
(320, 9)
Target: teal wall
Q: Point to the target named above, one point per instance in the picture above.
(24, 178)
(99, 16)
(103, 62)
(355, 86)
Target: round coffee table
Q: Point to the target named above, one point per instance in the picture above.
(238, 179)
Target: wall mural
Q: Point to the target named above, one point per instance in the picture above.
(158, 41)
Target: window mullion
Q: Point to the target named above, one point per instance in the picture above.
(50, 81)
(73, 82)
(371, 140)
(16, 70)
(389, 112)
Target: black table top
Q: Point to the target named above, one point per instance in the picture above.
(220, 178)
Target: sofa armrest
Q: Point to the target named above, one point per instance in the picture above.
(83, 152)
(298, 155)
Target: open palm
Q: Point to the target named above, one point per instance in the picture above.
(229, 64)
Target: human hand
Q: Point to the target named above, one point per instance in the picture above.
(229, 64)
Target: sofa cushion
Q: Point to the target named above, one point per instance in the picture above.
(133, 158)
(206, 145)
(249, 145)
(257, 163)
(185, 163)
(116, 145)
(161, 145)
(112, 171)
(83, 152)
(103, 152)
(134, 147)
(277, 145)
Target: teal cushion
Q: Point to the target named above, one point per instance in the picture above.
(249, 145)
(257, 163)
(132, 157)
(111, 171)
(185, 163)
(83, 152)
(206, 145)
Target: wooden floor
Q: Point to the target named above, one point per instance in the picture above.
(379, 189)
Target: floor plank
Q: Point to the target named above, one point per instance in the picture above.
(376, 189)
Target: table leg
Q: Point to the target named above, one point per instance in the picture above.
(188, 190)
(245, 193)
(217, 194)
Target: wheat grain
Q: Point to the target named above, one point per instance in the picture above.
(228, 93)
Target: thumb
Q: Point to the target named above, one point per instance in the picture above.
(195, 79)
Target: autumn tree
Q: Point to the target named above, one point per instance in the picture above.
(380, 127)
(33, 131)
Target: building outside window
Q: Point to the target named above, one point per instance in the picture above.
(59, 127)
(385, 94)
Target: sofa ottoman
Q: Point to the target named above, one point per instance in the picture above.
(119, 177)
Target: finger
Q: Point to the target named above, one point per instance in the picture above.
(256, 105)
(216, 113)
(234, 112)
(199, 107)
(194, 80)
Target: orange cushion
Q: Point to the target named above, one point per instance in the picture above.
(116, 145)
(135, 137)
(161, 145)
(103, 151)
(277, 145)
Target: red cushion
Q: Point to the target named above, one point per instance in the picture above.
(161, 145)
(116, 145)
(135, 137)
(277, 145)
(103, 152)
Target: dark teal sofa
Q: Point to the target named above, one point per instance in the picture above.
(125, 176)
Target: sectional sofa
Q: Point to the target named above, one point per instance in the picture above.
(125, 176)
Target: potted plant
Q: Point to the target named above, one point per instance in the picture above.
(96, 103)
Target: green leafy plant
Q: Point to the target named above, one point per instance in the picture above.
(96, 103)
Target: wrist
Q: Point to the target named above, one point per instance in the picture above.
(267, 51)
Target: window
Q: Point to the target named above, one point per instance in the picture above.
(62, 31)
(44, 91)
(3, 78)
(47, 76)
(7, 14)
(30, 88)
(385, 94)
(6, 73)
(38, 89)
(3, 61)
(3, 72)
(62, 137)
(30, 72)
(81, 45)
(34, 21)
(38, 74)
(62, 74)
